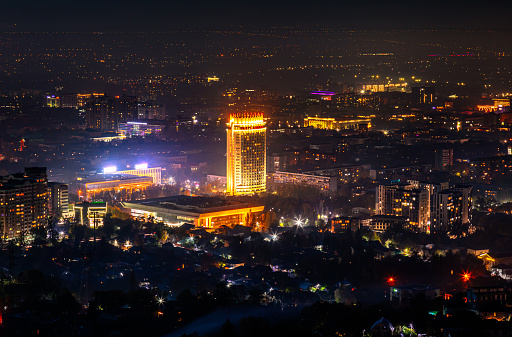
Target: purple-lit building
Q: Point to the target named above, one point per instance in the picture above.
(140, 128)
(324, 95)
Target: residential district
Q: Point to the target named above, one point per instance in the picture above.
(375, 201)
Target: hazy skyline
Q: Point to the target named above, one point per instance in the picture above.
(162, 15)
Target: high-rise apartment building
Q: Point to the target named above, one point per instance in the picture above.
(246, 154)
(443, 159)
(69, 101)
(151, 110)
(407, 201)
(428, 207)
(446, 209)
(105, 112)
(99, 113)
(58, 200)
(23, 202)
(125, 108)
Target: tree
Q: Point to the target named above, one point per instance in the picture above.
(50, 228)
(68, 303)
(115, 212)
(22, 238)
(228, 329)
(269, 218)
(40, 234)
(108, 227)
(162, 235)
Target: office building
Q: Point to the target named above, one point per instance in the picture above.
(58, 198)
(142, 170)
(337, 123)
(117, 182)
(23, 202)
(246, 154)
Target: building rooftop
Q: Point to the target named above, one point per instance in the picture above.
(109, 177)
(191, 204)
(488, 281)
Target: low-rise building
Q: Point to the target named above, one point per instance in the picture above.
(380, 223)
(144, 171)
(342, 224)
(208, 212)
(140, 128)
(90, 213)
(488, 289)
(107, 182)
(337, 123)
(327, 184)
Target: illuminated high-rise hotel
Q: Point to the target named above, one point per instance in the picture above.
(246, 154)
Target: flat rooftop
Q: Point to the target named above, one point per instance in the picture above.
(190, 204)
(109, 177)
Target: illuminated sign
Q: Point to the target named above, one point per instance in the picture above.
(141, 166)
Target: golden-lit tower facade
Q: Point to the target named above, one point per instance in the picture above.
(246, 154)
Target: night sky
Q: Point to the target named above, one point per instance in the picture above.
(62, 15)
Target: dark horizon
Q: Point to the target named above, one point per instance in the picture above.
(154, 15)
